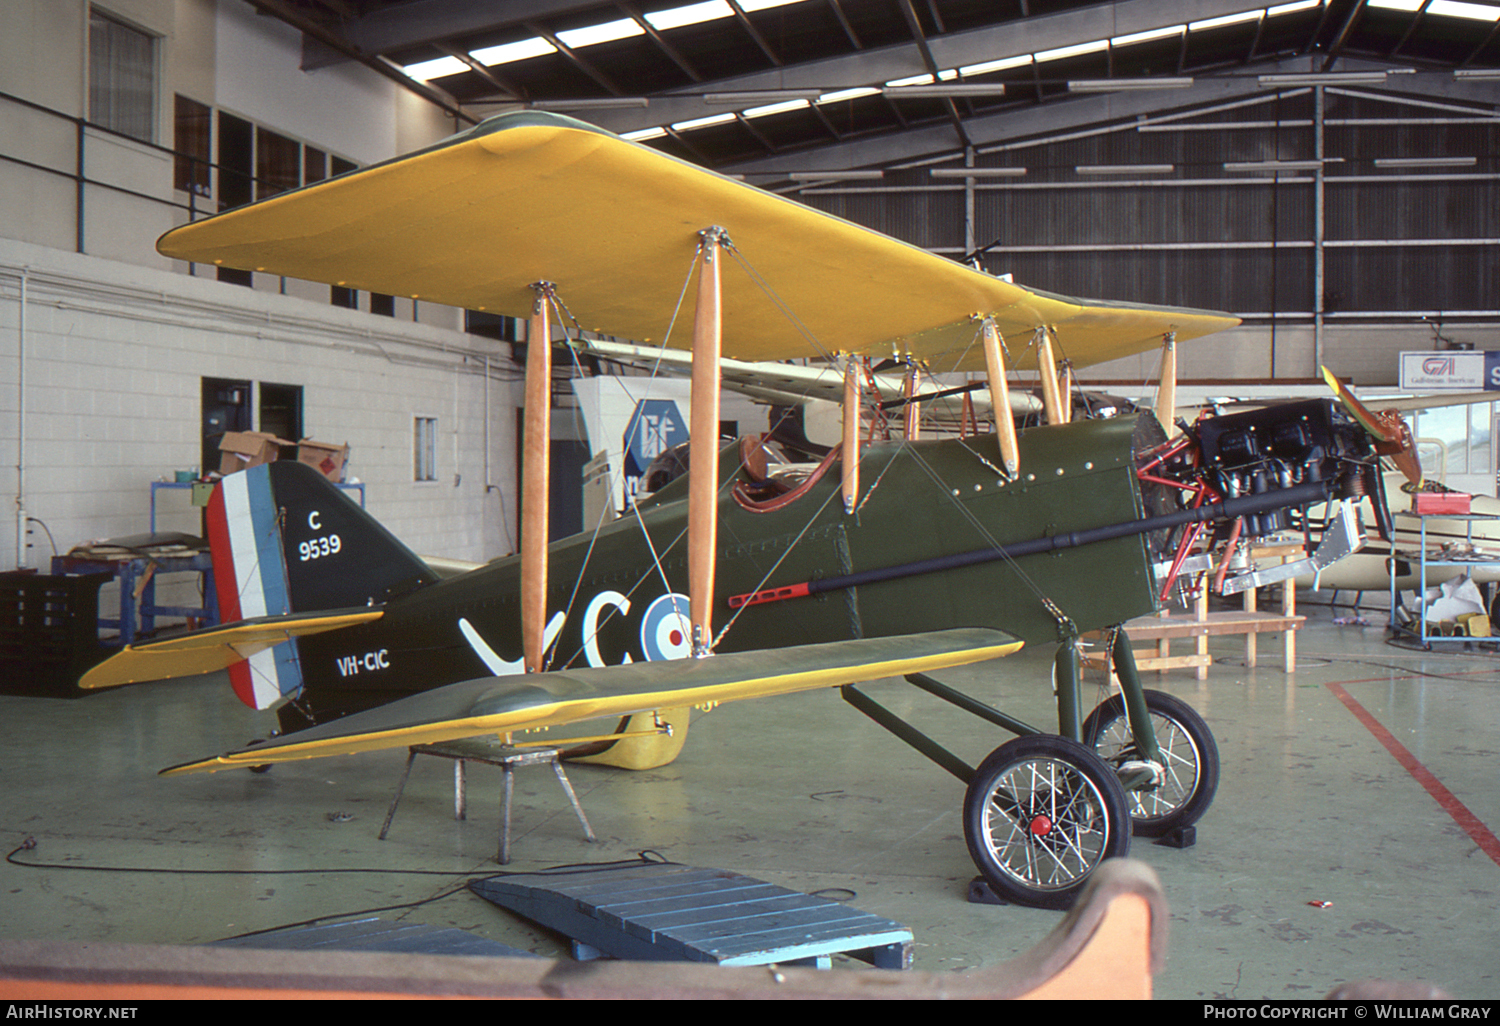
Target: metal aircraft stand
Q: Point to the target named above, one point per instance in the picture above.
(508, 759)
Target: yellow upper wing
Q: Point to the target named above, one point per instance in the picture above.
(475, 220)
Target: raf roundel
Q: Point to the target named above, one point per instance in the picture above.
(665, 630)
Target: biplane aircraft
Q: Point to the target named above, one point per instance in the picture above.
(888, 559)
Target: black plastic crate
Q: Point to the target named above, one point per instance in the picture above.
(49, 629)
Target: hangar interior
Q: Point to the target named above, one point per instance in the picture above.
(1323, 170)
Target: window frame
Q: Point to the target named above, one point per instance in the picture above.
(424, 434)
(110, 102)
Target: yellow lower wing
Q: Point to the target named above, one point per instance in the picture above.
(475, 220)
(214, 649)
(497, 705)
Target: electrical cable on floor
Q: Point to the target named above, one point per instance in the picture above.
(1306, 661)
(647, 856)
(1412, 671)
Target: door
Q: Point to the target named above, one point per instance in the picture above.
(226, 407)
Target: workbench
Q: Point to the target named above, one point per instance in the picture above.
(137, 577)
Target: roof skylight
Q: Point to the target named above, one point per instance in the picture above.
(704, 122)
(1450, 8)
(606, 32)
(508, 53)
(848, 94)
(1077, 49)
(692, 14)
(775, 108)
(426, 71)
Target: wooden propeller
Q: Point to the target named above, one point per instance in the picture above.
(1392, 436)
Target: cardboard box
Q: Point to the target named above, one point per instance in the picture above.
(325, 458)
(241, 450)
(1432, 503)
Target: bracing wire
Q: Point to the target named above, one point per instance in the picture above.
(563, 309)
(984, 532)
(760, 282)
(657, 565)
(779, 560)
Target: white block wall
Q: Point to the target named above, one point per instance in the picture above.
(113, 360)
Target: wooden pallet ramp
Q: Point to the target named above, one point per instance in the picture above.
(670, 912)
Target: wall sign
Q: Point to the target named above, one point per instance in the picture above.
(1450, 370)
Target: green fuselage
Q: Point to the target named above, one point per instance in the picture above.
(918, 501)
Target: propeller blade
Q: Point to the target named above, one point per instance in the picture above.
(1368, 419)
(1392, 437)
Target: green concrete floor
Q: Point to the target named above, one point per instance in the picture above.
(806, 793)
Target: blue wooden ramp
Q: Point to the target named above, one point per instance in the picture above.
(667, 912)
(376, 934)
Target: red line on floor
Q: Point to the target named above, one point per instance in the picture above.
(1472, 825)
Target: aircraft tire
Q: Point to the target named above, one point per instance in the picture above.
(264, 767)
(1040, 814)
(1189, 753)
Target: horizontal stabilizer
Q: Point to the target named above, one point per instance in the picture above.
(497, 705)
(216, 648)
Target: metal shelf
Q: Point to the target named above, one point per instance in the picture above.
(1424, 562)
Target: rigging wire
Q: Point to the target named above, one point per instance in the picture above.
(599, 525)
(657, 566)
(562, 307)
(656, 558)
(1064, 622)
(760, 282)
(832, 493)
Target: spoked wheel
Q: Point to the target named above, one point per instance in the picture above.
(1190, 760)
(1040, 814)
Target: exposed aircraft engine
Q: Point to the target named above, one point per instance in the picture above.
(1264, 450)
(1246, 473)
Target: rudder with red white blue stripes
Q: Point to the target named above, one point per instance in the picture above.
(250, 579)
(285, 540)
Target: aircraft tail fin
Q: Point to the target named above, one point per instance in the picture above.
(285, 540)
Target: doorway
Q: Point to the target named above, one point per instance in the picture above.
(226, 406)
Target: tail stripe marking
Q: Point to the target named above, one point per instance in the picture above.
(223, 558)
(260, 588)
(250, 517)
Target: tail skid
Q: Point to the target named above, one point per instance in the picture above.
(641, 742)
